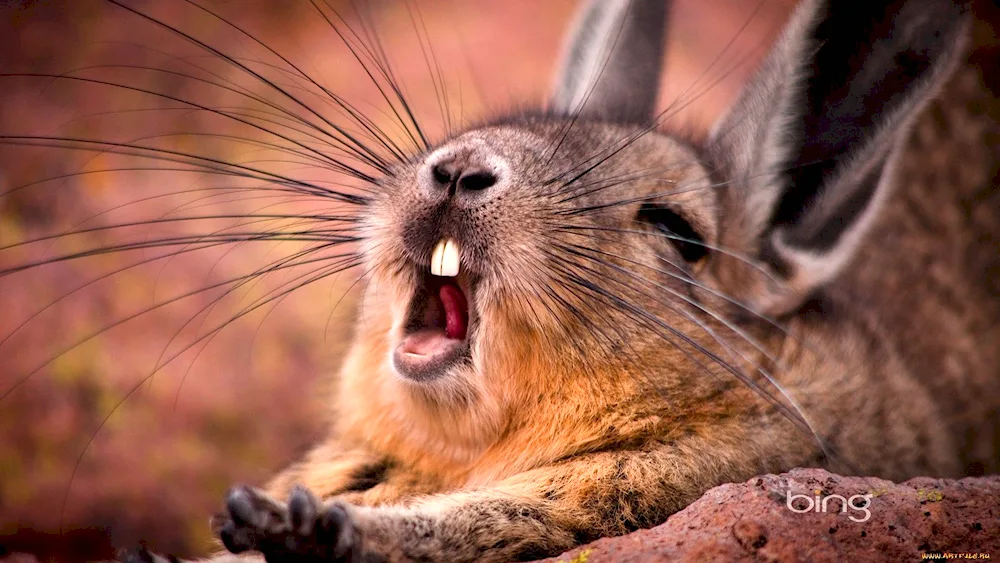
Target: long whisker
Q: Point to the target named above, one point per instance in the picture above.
(120, 322)
(283, 264)
(589, 253)
(591, 88)
(347, 139)
(683, 277)
(335, 163)
(208, 164)
(287, 118)
(746, 259)
(349, 110)
(322, 274)
(433, 67)
(382, 65)
(623, 305)
(673, 109)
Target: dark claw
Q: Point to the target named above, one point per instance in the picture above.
(303, 531)
(236, 539)
(253, 509)
(240, 507)
(302, 507)
(338, 523)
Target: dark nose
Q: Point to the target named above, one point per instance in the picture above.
(460, 174)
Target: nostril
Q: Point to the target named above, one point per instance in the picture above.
(476, 181)
(460, 174)
(441, 175)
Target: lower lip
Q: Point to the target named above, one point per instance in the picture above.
(427, 355)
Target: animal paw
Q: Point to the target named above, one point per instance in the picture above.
(303, 530)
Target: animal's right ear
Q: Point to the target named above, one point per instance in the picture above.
(808, 152)
(612, 61)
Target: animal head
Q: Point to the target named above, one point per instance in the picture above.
(589, 239)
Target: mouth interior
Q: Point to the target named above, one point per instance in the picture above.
(436, 332)
(456, 311)
(445, 316)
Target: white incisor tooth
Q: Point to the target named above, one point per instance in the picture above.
(445, 260)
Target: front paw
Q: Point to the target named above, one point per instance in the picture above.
(303, 530)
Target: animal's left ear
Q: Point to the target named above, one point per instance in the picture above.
(611, 62)
(808, 150)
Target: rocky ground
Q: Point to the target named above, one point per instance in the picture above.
(919, 519)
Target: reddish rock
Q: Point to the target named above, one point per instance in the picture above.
(752, 522)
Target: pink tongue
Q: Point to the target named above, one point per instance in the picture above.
(456, 312)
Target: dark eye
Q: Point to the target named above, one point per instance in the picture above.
(681, 234)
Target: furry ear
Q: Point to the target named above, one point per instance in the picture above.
(611, 61)
(809, 148)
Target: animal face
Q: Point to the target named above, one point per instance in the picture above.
(588, 235)
(545, 249)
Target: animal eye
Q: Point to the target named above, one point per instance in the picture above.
(681, 234)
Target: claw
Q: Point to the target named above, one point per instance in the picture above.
(241, 507)
(337, 519)
(302, 510)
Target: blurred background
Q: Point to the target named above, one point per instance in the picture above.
(131, 397)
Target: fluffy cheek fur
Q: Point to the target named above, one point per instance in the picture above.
(455, 427)
(454, 419)
(535, 390)
(444, 420)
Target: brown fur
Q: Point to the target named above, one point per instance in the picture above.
(571, 427)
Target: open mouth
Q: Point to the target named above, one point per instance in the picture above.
(437, 327)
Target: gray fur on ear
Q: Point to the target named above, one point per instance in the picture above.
(809, 148)
(612, 61)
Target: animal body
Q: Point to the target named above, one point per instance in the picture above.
(576, 322)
